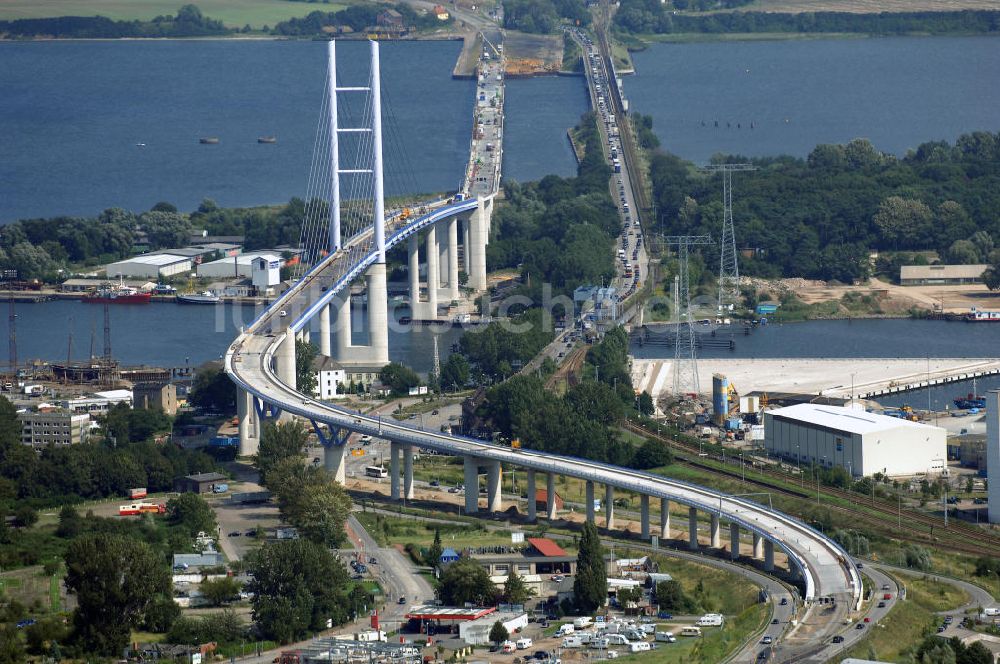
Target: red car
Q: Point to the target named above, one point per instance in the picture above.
(868, 620)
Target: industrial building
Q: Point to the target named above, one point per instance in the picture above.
(477, 632)
(234, 267)
(159, 396)
(150, 266)
(53, 428)
(199, 483)
(993, 454)
(861, 442)
(933, 275)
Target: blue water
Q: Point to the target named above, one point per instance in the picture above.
(897, 92)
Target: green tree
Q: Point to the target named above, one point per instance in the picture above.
(279, 441)
(455, 372)
(646, 405)
(315, 505)
(652, 454)
(219, 591)
(10, 427)
(305, 375)
(11, 646)
(466, 581)
(398, 378)
(670, 596)
(297, 585)
(515, 590)
(115, 579)
(435, 551)
(498, 633)
(590, 587)
(191, 513)
(212, 390)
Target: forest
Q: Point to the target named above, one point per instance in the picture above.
(189, 22)
(652, 16)
(543, 16)
(821, 217)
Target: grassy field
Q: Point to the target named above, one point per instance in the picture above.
(868, 6)
(234, 13)
(389, 530)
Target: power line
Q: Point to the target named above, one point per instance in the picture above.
(685, 352)
(729, 270)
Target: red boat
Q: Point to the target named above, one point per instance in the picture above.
(116, 294)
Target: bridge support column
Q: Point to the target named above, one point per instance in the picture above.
(609, 506)
(590, 502)
(442, 238)
(550, 497)
(644, 516)
(465, 246)
(471, 485)
(493, 486)
(433, 273)
(378, 315)
(478, 236)
(453, 257)
(758, 546)
(249, 444)
(692, 529)
(768, 556)
(532, 506)
(394, 470)
(324, 331)
(715, 531)
(407, 472)
(734, 540)
(333, 461)
(286, 368)
(413, 272)
(343, 325)
(664, 519)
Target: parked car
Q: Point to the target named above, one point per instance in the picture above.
(838, 639)
(235, 533)
(401, 600)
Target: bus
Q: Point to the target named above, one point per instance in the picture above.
(376, 471)
(141, 508)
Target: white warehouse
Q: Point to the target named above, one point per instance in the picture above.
(234, 267)
(150, 266)
(863, 443)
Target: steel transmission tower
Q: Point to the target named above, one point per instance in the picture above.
(685, 353)
(729, 269)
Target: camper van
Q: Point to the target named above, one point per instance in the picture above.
(710, 620)
(580, 623)
(617, 639)
(572, 642)
(638, 646)
(523, 644)
(565, 629)
(665, 637)
(691, 630)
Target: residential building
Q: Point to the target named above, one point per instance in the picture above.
(331, 378)
(41, 429)
(863, 443)
(541, 556)
(542, 500)
(159, 396)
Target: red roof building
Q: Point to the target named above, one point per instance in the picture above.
(542, 500)
(546, 547)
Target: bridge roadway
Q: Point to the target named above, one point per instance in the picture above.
(825, 569)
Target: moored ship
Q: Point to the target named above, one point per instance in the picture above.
(116, 294)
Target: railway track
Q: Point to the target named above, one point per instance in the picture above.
(570, 370)
(920, 527)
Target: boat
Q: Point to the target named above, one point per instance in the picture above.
(116, 294)
(267, 139)
(208, 140)
(198, 298)
(977, 316)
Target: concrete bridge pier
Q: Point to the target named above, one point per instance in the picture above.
(734, 540)
(442, 247)
(453, 258)
(286, 368)
(394, 470)
(333, 461)
(407, 472)
(532, 506)
(324, 331)
(478, 237)
(715, 531)
(768, 556)
(378, 314)
(692, 529)
(644, 516)
(465, 246)
(249, 440)
(471, 467)
(590, 502)
(494, 477)
(550, 497)
(413, 272)
(758, 546)
(433, 273)
(343, 310)
(609, 506)
(664, 518)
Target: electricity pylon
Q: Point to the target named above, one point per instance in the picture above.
(685, 353)
(729, 270)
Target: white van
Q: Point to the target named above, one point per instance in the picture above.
(565, 629)
(638, 646)
(572, 642)
(617, 639)
(508, 647)
(691, 630)
(523, 644)
(665, 637)
(711, 620)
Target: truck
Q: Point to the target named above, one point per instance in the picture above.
(137, 493)
(250, 497)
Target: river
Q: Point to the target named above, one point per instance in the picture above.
(92, 125)
(898, 92)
